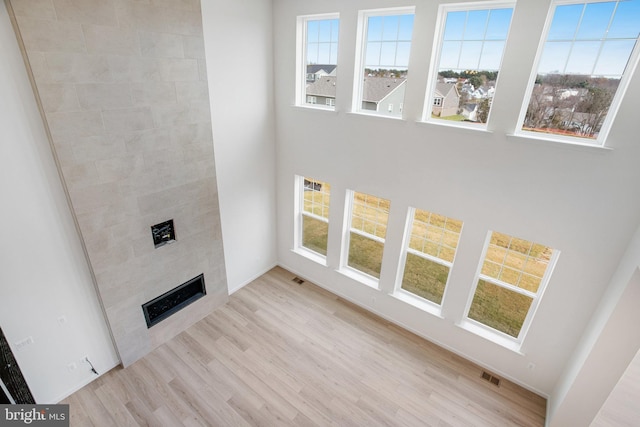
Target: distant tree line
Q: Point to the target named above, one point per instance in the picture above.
(476, 77)
(577, 81)
(383, 72)
(576, 104)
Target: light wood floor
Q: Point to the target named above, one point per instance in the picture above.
(621, 408)
(280, 353)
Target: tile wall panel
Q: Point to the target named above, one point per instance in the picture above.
(122, 84)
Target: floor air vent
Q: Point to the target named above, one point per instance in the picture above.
(493, 380)
(298, 280)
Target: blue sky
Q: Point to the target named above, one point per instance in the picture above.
(322, 41)
(474, 40)
(595, 39)
(388, 41)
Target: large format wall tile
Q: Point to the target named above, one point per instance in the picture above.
(123, 88)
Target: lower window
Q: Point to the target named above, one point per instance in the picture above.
(313, 208)
(430, 247)
(367, 231)
(513, 277)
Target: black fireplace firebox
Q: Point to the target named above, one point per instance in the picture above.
(176, 299)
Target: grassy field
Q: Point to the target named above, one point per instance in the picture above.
(365, 254)
(316, 201)
(514, 261)
(314, 234)
(454, 118)
(425, 278)
(499, 308)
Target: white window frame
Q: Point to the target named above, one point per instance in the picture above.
(312, 100)
(301, 57)
(436, 52)
(409, 297)
(299, 223)
(615, 102)
(493, 334)
(331, 102)
(361, 48)
(345, 268)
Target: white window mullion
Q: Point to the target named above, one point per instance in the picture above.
(507, 286)
(314, 216)
(426, 294)
(306, 48)
(513, 322)
(367, 235)
(429, 257)
(571, 124)
(319, 200)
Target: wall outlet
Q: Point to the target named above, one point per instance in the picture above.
(23, 343)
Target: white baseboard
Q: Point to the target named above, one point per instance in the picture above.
(246, 282)
(84, 383)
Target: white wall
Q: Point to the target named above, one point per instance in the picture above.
(621, 407)
(606, 348)
(43, 272)
(580, 200)
(238, 44)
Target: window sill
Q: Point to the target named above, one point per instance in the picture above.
(419, 303)
(315, 107)
(549, 140)
(455, 125)
(477, 329)
(358, 276)
(376, 115)
(310, 255)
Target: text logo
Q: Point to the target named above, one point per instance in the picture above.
(34, 415)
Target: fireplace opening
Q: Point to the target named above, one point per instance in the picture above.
(176, 299)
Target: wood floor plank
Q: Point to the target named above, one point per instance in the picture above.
(285, 354)
(164, 417)
(77, 416)
(118, 411)
(142, 415)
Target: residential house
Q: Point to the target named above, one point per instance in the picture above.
(383, 94)
(470, 111)
(322, 91)
(446, 100)
(316, 71)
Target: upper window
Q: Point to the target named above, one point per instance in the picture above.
(382, 73)
(512, 279)
(314, 215)
(583, 68)
(318, 53)
(366, 233)
(429, 252)
(469, 56)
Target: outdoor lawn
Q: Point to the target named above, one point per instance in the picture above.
(514, 261)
